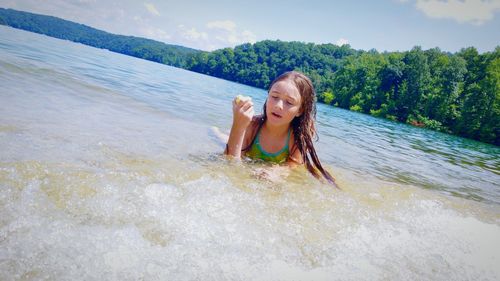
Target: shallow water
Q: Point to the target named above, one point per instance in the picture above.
(108, 171)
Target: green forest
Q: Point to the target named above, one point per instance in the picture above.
(456, 93)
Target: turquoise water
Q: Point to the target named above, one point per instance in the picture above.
(108, 170)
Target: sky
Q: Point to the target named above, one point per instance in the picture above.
(384, 25)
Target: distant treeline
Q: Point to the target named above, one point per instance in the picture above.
(455, 93)
(129, 45)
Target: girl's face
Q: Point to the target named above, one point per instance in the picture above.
(283, 103)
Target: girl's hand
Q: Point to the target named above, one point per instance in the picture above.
(242, 116)
(242, 113)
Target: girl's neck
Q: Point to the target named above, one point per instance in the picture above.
(276, 131)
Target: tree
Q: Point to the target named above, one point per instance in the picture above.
(416, 79)
(490, 125)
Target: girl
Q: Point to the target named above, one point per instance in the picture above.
(285, 132)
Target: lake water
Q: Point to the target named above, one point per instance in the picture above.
(109, 171)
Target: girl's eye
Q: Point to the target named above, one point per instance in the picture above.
(289, 103)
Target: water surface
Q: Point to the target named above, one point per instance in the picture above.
(108, 170)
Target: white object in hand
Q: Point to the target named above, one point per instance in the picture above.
(240, 98)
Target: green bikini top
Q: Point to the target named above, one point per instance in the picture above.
(257, 152)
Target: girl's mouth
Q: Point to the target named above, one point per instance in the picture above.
(276, 115)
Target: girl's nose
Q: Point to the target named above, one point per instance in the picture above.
(279, 104)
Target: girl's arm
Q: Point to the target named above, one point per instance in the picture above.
(242, 116)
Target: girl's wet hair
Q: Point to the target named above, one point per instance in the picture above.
(304, 129)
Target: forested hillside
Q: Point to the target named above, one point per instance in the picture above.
(129, 45)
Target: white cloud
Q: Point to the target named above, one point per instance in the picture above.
(248, 36)
(342, 41)
(227, 33)
(465, 11)
(87, 1)
(225, 25)
(192, 34)
(235, 38)
(152, 9)
(158, 34)
(215, 35)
